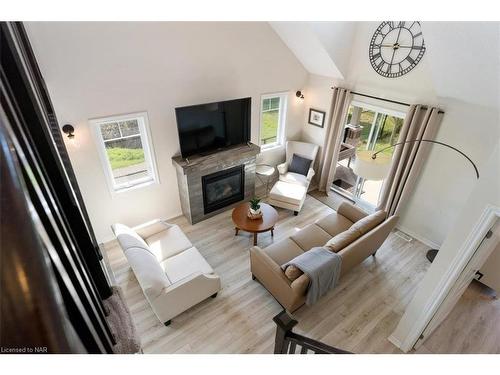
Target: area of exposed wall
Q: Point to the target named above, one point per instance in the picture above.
(101, 69)
(318, 95)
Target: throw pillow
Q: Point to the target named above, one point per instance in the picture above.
(293, 272)
(299, 165)
(356, 230)
(369, 222)
(343, 239)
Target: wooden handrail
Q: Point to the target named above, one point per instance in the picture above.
(286, 341)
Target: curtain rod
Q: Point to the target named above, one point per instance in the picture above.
(383, 99)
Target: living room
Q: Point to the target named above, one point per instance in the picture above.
(210, 165)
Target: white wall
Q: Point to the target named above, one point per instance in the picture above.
(101, 69)
(318, 95)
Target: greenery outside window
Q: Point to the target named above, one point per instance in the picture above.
(125, 151)
(375, 128)
(272, 120)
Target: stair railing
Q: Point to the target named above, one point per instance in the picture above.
(288, 342)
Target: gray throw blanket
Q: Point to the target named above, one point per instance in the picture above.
(323, 268)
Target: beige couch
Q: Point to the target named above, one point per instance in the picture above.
(172, 273)
(266, 263)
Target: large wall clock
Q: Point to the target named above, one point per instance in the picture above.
(396, 48)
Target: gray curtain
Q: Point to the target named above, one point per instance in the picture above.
(335, 128)
(420, 123)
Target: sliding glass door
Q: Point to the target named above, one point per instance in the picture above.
(367, 128)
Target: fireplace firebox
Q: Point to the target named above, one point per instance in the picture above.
(223, 188)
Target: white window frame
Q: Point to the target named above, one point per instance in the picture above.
(280, 136)
(147, 146)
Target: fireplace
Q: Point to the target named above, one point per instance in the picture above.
(195, 175)
(220, 189)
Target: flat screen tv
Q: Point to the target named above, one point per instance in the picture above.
(205, 128)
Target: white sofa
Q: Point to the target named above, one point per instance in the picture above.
(172, 273)
(291, 189)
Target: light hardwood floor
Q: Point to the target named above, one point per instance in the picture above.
(473, 326)
(358, 315)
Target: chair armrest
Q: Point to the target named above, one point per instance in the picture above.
(151, 227)
(351, 212)
(310, 174)
(300, 284)
(184, 294)
(282, 168)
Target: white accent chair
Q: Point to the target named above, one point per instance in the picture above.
(291, 189)
(172, 273)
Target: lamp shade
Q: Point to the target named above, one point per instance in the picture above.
(371, 169)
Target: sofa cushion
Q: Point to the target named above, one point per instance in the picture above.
(288, 193)
(185, 264)
(310, 236)
(283, 251)
(168, 242)
(369, 222)
(351, 212)
(334, 224)
(299, 165)
(294, 178)
(128, 238)
(343, 239)
(147, 270)
(292, 272)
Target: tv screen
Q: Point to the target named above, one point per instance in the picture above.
(214, 126)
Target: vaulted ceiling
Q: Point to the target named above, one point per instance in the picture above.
(462, 58)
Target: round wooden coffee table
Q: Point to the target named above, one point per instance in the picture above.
(265, 223)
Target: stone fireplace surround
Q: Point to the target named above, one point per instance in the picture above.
(190, 172)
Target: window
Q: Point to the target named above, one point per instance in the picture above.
(367, 128)
(125, 151)
(272, 120)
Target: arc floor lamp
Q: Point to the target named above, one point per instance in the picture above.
(375, 166)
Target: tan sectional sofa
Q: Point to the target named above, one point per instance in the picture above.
(266, 263)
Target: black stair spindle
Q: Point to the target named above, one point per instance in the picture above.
(286, 341)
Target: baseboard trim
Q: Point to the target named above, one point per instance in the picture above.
(425, 241)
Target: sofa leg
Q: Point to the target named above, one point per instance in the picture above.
(295, 213)
(167, 323)
(373, 255)
(253, 277)
(213, 295)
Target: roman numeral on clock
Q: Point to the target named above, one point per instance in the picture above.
(410, 60)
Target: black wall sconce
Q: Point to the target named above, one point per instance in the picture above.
(299, 94)
(69, 130)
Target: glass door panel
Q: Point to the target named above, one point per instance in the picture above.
(366, 129)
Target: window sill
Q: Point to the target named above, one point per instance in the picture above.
(271, 147)
(140, 185)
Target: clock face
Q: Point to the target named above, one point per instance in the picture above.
(396, 48)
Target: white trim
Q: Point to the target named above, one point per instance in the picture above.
(283, 108)
(147, 146)
(418, 237)
(378, 108)
(465, 253)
